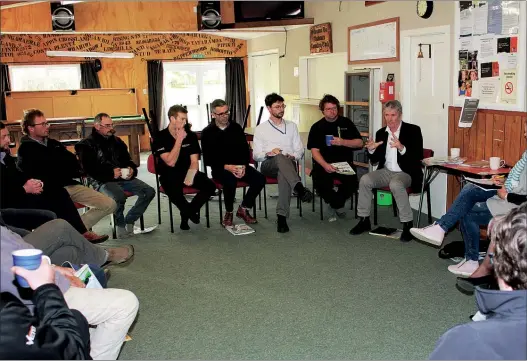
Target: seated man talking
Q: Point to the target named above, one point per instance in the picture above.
(398, 150)
(227, 152)
(105, 159)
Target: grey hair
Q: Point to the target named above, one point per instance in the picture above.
(98, 117)
(509, 234)
(394, 104)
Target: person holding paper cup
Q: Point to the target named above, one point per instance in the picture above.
(179, 150)
(111, 171)
(332, 139)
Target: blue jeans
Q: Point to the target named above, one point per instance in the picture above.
(464, 202)
(115, 190)
(470, 223)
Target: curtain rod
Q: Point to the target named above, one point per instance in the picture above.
(50, 62)
(211, 58)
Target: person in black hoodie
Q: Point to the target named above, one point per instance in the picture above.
(19, 191)
(107, 162)
(398, 151)
(503, 333)
(53, 331)
(226, 151)
(48, 160)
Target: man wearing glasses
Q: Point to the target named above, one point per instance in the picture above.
(107, 162)
(227, 153)
(278, 146)
(46, 159)
(332, 140)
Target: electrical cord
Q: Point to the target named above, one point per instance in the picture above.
(285, 46)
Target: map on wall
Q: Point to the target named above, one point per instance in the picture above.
(33, 47)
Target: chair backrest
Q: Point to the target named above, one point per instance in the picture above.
(246, 116)
(260, 116)
(150, 164)
(427, 153)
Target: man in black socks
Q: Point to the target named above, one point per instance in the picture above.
(227, 152)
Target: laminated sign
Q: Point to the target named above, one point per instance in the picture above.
(508, 86)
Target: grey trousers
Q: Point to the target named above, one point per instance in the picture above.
(285, 170)
(61, 242)
(397, 181)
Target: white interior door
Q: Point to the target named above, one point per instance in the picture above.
(193, 85)
(265, 79)
(427, 94)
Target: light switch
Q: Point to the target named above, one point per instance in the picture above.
(145, 91)
(295, 71)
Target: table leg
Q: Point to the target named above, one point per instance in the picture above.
(425, 179)
(134, 145)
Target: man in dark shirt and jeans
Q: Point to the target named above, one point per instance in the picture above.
(227, 152)
(340, 149)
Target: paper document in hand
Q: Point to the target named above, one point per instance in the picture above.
(343, 168)
(485, 184)
(240, 229)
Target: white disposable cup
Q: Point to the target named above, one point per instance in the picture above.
(125, 172)
(455, 152)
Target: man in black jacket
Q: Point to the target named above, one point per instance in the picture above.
(46, 159)
(226, 151)
(53, 332)
(18, 191)
(398, 150)
(106, 160)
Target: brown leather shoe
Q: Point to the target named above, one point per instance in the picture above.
(227, 220)
(244, 214)
(94, 237)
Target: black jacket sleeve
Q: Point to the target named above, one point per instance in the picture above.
(208, 147)
(125, 158)
(54, 332)
(244, 145)
(12, 182)
(516, 198)
(90, 164)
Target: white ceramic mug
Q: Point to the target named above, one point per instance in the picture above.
(125, 172)
(496, 163)
(455, 152)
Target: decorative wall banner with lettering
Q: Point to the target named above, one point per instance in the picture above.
(22, 48)
(320, 39)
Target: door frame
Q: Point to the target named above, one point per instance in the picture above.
(406, 64)
(250, 57)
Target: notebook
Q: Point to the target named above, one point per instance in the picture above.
(387, 232)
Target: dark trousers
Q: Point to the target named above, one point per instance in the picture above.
(255, 179)
(173, 187)
(23, 221)
(323, 182)
(59, 202)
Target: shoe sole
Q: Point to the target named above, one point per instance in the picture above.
(424, 238)
(463, 274)
(240, 217)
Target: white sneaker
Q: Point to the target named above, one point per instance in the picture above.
(433, 234)
(332, 214)
(464, 268)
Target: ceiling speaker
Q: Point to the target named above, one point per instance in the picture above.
(209, 16)
(62, 17)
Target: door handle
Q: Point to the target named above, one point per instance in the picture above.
(198, 101)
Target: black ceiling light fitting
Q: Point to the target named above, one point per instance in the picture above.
(420, 53)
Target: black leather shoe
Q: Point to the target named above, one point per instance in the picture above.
(467, 285)
(282, 226)
(364, 225)
(194, 218)
(307, 197)
(406, 236)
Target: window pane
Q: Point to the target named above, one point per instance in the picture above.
(45, 77)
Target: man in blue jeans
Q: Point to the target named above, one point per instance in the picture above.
(107, 162)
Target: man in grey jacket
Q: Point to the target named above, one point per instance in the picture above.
(503, 333)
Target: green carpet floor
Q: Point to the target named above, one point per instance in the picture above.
(313, 293)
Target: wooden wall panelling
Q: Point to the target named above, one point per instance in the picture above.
(498, 136)
(512, 143)
(227, 12)
(120, 104)
(489, 133)
(15, 107)
(480, 136)
(523, 142)
(107, 16)
(70, 106)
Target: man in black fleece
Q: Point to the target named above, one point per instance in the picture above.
(227, 153)
(46, 159)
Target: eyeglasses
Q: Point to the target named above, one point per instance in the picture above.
(279, 107)
(107, 125)
(491, 258)
(334, 109)
(45, 124)
(222, 114)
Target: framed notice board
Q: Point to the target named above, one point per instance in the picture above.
(374, 42)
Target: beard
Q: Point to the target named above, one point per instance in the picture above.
(278, 114)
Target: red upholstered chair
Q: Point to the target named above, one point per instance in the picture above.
(427, 153)
(152, 168)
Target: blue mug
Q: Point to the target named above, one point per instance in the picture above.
(29, 259)
(329, 138)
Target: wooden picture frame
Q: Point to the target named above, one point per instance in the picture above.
(371, 25)
(320, 39)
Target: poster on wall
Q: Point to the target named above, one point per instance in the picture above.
(320, 39)
(490, 52)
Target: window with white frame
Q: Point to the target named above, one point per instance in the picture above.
(45, 77)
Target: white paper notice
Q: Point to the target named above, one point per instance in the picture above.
(481, 12)
(488, 90)
(466, 43)
(475, 89)
(508, 86)
(487, 48)
(508, 61)
(511, 17)
(466, 22)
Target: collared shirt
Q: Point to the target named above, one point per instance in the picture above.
(2, 156)
(391, 153)
(285, 136)
(43, 142)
